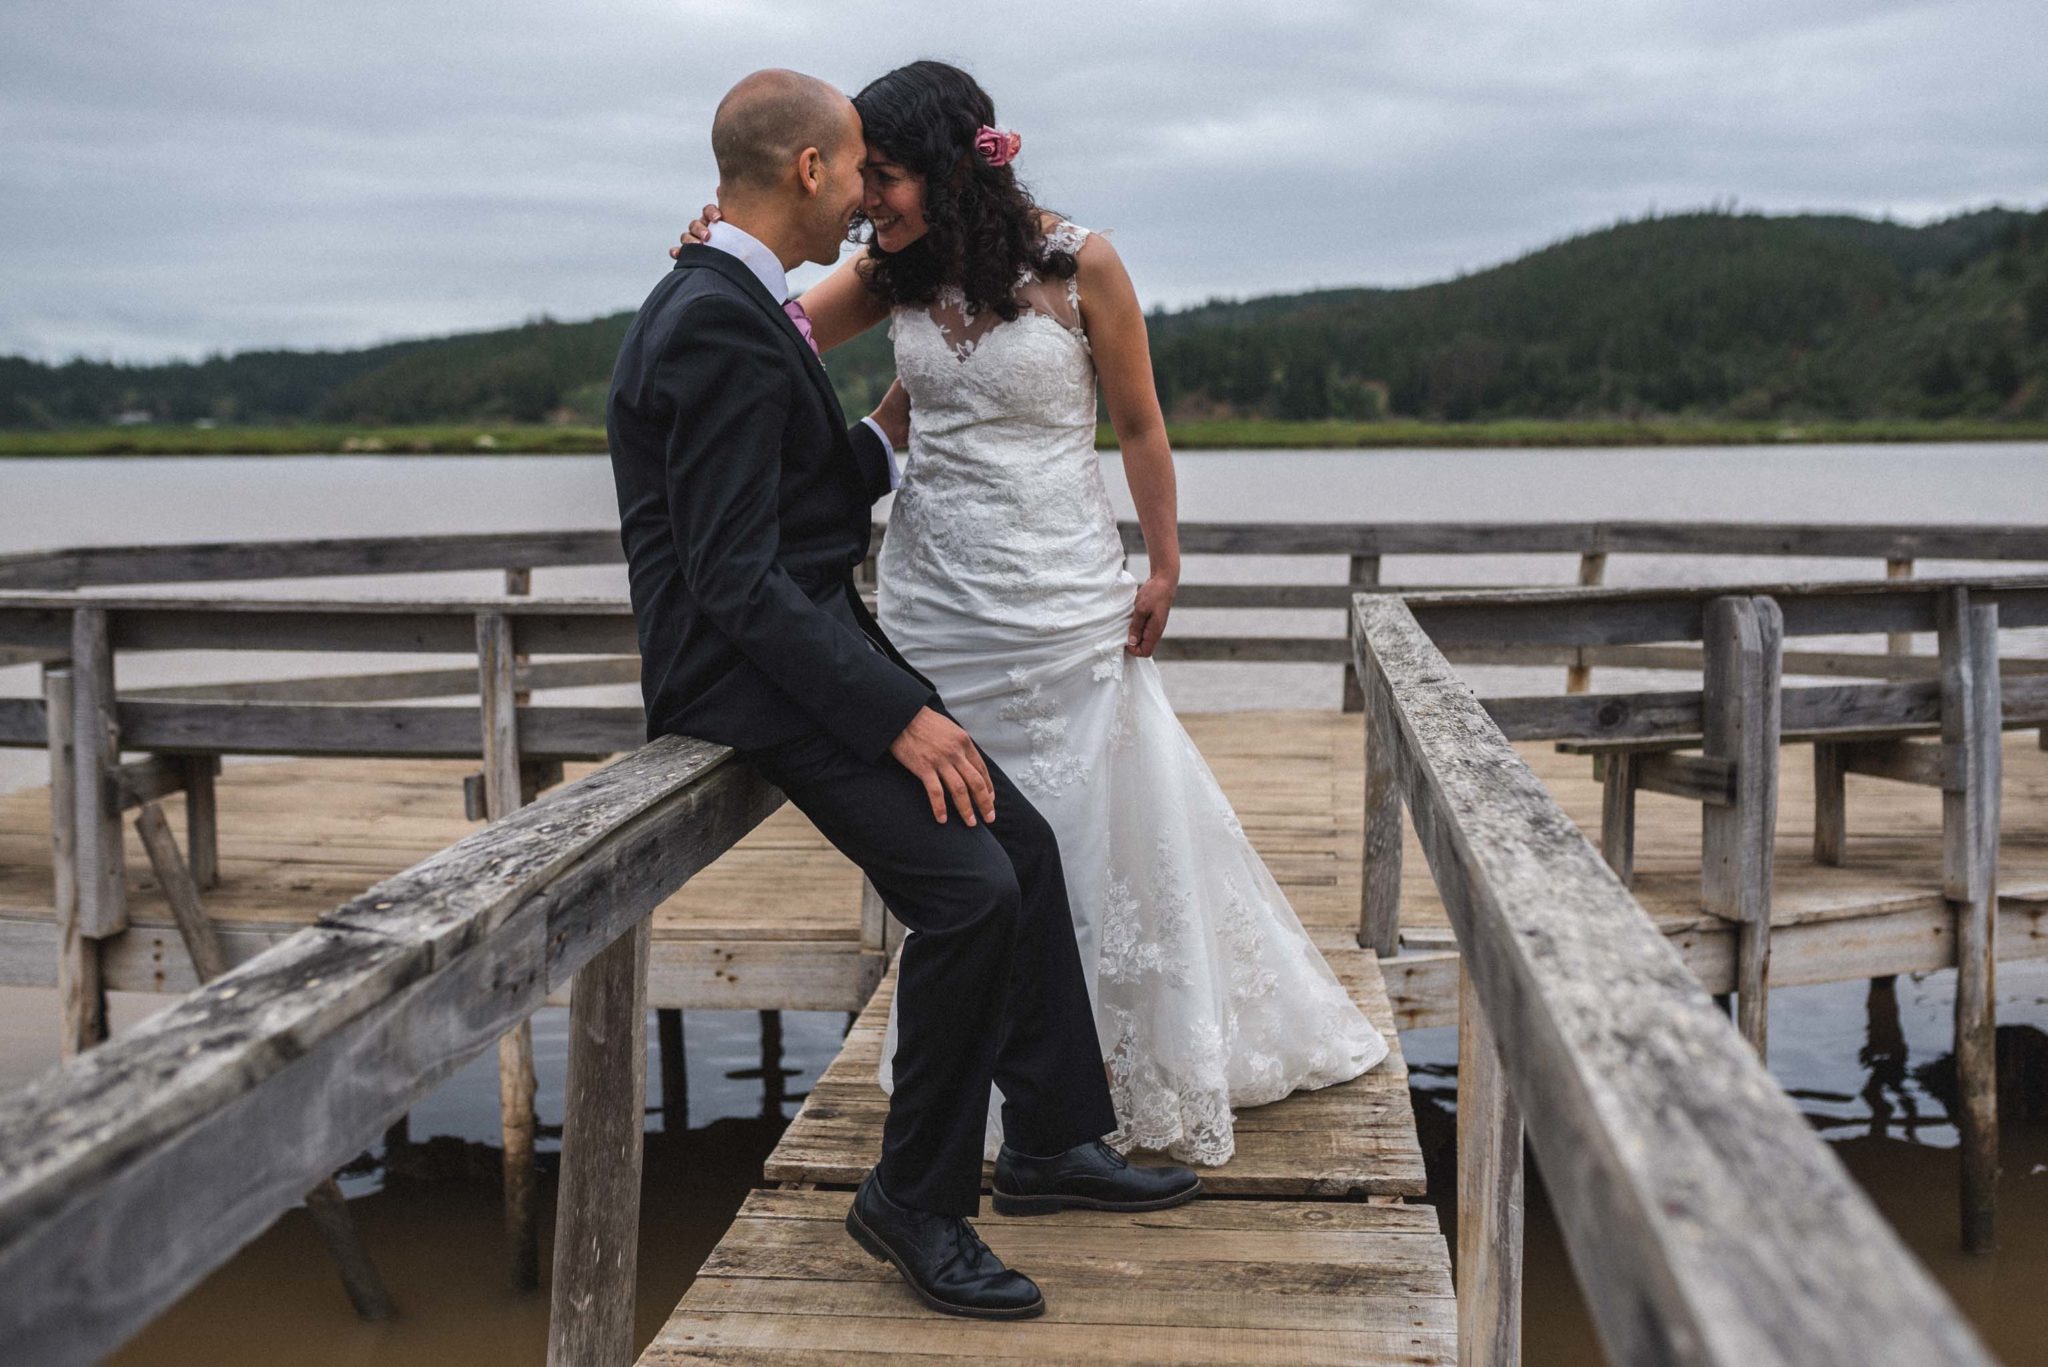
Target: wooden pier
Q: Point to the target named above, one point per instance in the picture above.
(1321, 1263)
(1563, 877)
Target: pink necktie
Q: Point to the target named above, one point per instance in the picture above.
(802, 320)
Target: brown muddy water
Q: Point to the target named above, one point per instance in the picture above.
(1871, 1077)
(1870, 1073)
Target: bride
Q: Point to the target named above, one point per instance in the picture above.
(1002, 579)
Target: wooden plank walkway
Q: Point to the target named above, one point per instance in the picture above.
(1356, 1139)
(1215, 1281)
(1284, 1277)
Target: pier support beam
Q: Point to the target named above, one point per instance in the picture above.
(1578, 678)
(1618, 814)
(1379, 913)
(98, 894)
(1970, 729)
(1490, 1196)
(102, 891)
(1898, 642)
(1830, 804)
(1744, 640)
(675, 1070)
(202, 820)
(81, 993)
(1365, 574)
(516, 1083)
(597, 1229)
(324, 1203)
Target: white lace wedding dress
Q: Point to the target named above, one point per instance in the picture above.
(1002, 579)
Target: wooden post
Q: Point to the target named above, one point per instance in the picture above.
(1618, 815)
(519, 584)
(202, 820)
(325, 1203)
(1578, 678)
(516, 1082)
(337, 1230)
(1830, 803)
(675, 1070)
(1971, 716)
(1744, 639)
(774, 1092)
(1379, 912)
(81, 995)
(1365, 574)
(182, 892)
(1898, 642)
(590, 1321)
(1489, 1196)
(102, 891)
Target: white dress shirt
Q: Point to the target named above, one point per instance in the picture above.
(755, 256)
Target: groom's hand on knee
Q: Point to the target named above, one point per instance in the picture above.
(944, 758)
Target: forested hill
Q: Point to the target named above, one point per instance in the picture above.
(1708, 314)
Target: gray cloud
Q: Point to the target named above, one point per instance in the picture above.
(175, 180)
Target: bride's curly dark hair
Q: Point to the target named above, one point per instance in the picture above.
(982, 228)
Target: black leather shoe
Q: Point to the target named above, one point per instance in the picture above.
(1092, 1176)
(942, 1258)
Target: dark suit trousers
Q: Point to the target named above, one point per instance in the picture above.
(990, 987)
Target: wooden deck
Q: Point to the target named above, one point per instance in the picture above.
(1215, 1281)
(1357, 1139)
(1286, 1277)
(774, 923)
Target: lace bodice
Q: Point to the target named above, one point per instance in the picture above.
(1002, 513)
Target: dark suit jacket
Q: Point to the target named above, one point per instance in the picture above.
(744, 504)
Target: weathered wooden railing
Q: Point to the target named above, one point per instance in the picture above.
(1736, 722)
(132, 1170)
(1363, 545)
(1706, 1222)
(85, 725)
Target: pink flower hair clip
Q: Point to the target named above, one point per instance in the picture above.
(998, 146)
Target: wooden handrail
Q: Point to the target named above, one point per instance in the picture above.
(1706, 1221)
(1637, 615)
(130, 1172)
(79, 566)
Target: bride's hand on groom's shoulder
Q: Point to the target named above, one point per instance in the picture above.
(1148, 614)
(699, 230)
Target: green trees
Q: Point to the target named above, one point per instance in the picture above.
(1706, 314)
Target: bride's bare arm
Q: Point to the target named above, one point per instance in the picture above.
(1115, 324)
(840, 306)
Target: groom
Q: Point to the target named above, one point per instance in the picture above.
(744, 502)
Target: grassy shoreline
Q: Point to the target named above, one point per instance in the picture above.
(472, 439)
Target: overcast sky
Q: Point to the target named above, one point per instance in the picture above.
(183, 178)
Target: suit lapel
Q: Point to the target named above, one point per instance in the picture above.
(732, 268)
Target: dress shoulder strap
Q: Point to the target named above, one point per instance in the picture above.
(1066, 237)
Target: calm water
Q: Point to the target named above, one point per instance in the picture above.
(1871, 1078)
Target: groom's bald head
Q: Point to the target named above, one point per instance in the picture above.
(765, 121)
